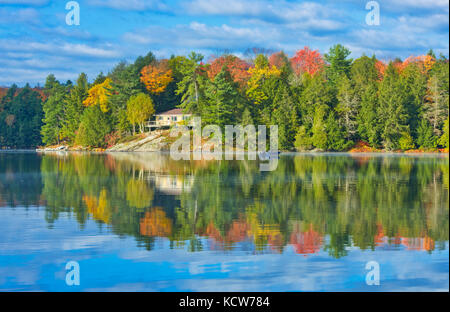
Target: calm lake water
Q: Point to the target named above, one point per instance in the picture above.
(143, 222)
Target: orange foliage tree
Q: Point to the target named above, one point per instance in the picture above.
(156, 77)
(381, 68)
(306, 60)
(156, 223)
(237, 68)
(425, 62)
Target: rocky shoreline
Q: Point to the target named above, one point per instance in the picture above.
(160, 141)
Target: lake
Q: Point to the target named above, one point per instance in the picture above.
(144, 222)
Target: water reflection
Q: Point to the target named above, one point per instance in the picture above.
(310, 203)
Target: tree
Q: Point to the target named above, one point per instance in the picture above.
(444, 140)
(414, 80)
(307, 61)
(365, 77)
(338, 62)
(94, 126)
(260, 74)
(317, 93)
(426, 139)
(392, 109)
(74, 108)
(238, 69)
(139, 109)
(436, 106)
(54, 109)
(319, 131)
(99, 95)
(348, 107)
(142, 61)
(336, 134)
(285, 116)
(193, 84)
(406, 141)
(125, 82)
(303, 140)
(20, 118)
(156, 77)
(223, 100)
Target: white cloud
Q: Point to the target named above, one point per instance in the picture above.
(27, 2)
(131, 5)
(27, 15)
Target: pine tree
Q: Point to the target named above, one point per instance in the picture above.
(338, 62)
(223, 98)
(74, 108)
(425, 135)
(436, 106)
(319, 131)
(192, 86)
(94, 126)
(348, 107)
(444, 139)
(392, 109)
(54, 109)
(336, 134)
(285, 117)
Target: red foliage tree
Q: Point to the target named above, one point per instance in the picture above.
(306, 60)
(237, 68)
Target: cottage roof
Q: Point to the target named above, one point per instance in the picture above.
(175, 111)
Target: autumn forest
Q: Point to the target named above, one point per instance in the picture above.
(327, 102)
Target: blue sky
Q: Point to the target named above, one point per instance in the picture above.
(35, 40)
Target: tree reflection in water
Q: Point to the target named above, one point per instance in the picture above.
(311, 202)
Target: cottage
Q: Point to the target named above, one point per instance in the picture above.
(168, 118)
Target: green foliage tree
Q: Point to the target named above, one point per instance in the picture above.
(444, 139)
(20, 118)
(319, 131)
(338, 61)
(223, 98)
(94, 126)
(425, 135)
(54, 111)
(192, 86)
(74, 108)
(392, 109)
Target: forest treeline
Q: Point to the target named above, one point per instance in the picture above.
(323, 102)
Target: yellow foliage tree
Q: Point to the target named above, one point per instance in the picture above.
(259, 73)
(99, 94)
(139, 109)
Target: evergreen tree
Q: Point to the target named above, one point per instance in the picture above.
(348, 107)
(54, 109)
(285, 117)
(74, 108)
(20, 118)
(392, 109)
(425, 136)
(436, 106)
(319, 131)
(444, 139)
(338, 62)
(336, 134)
(192, 86)
(94, 126)
(223, 98)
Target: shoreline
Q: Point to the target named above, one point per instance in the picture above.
(282, 153)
